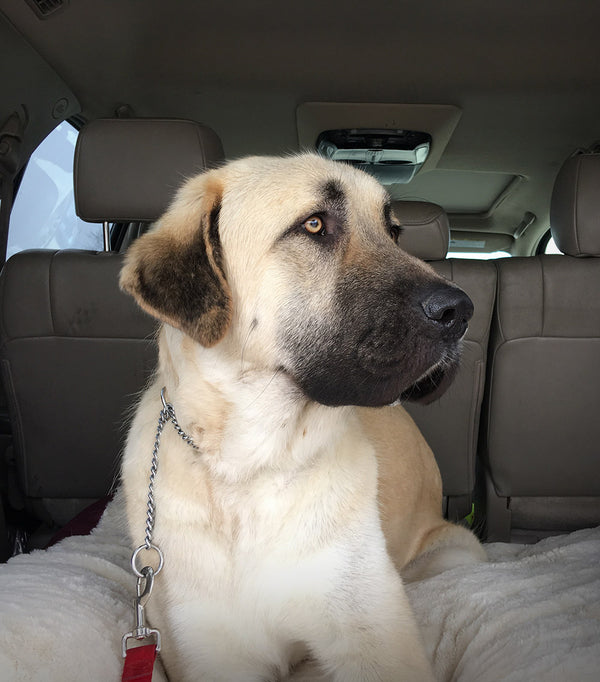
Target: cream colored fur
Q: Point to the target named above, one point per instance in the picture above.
(285, 535)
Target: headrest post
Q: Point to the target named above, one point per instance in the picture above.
(106, 235)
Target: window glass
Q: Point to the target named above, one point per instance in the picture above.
(478, 255)
(473, 246)
(43, 215)
(552, 248)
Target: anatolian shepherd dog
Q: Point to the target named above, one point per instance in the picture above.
(289, 313)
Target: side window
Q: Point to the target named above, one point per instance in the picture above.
(551, 247)
(478, 255)
(43, 215)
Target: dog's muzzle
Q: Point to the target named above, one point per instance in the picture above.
(449, 309)
(398, 340)
(424, 356)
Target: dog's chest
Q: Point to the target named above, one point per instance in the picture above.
(240, 613)
(244, 587)
(239, 535)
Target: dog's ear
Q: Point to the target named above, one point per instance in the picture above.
(175, 271)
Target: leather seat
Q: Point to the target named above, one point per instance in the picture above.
(74, 349)
(451, 423)
(543, 403)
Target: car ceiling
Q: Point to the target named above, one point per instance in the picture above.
(523, 76)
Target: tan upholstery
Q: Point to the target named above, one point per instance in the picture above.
(574, 210)
(425, 229)
(71, 365)
(543, 425)
(74, 349)
(451, 423)
(127, 170)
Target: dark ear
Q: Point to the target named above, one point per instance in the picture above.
(175, 271)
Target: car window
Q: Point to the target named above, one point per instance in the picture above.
(552, 248)
(465, 246)
(480, 255)
(43, 215)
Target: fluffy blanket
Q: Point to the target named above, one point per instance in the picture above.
(531, 613)
(63, 611)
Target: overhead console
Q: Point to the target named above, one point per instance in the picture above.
(393, 142)
(392, 156)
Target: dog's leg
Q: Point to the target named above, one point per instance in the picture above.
(444, 547)
(374, 638)
(419, 541)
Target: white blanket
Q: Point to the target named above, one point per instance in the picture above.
(63, 611)
(532, 613)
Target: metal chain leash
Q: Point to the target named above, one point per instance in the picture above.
(146, 575)
(168, 408)
(151, 506)
(167, 414)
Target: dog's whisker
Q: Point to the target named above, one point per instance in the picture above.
(264, 388)
(245, 343)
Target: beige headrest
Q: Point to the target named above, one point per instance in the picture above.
(128, 169)
(425, 229)
(575, 206)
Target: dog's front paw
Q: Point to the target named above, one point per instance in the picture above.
(448, 547)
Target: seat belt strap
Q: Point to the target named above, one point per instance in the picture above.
(11, 136)
(6, 201)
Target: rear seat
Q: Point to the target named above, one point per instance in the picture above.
(451, 424)
(543, 402)
(74, 349)
(69, 424)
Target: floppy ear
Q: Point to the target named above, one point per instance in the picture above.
(175, 271)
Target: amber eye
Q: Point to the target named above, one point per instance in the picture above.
(314, 225)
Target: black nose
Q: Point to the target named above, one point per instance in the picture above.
(449, 308)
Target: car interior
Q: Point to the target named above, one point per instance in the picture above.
(482, 121)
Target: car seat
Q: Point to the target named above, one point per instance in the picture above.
(543, 399)
(74, 350)
(451, 423)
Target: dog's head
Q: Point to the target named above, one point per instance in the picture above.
(293, 265)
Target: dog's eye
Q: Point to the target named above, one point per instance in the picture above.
(314, 225)
(395, 231)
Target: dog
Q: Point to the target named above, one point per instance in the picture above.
(293, 325)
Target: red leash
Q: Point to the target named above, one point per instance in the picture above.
(139, 663)
(139, 660)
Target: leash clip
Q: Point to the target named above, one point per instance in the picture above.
(145, 583)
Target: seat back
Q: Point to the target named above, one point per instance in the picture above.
(543, 402)
(75, 350)
(451, 423)
(74, 353)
